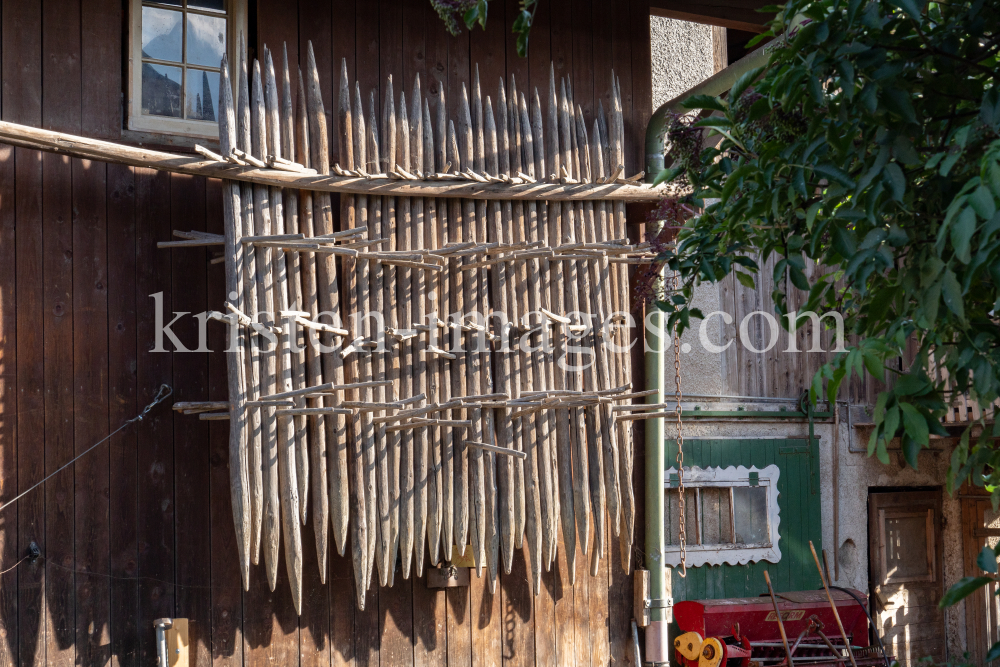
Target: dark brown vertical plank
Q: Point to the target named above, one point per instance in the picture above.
(316, 25)
(193, 597)
(122, 406)
(367, 72)
(459, 71)
(430, 625)
(278, 29)
(22, 62)
(585, 74)
(581, 606)
(623, 40)
(413, 52)
(8, 406)
(599, 644)
(603, 53)
(227, 585)
(436, 59)
(101, 67)
(642, 87)
(61, 95)
(489, 51)
(90, 388)
(518, 638)
(516, 66)
(459, 628)
(342, 605)
(486, 623)
(30, 404)
(155, 501)
(395, 619)
(57, 327)
(21, 103)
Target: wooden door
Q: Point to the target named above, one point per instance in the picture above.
(905, 554)
(980, 526)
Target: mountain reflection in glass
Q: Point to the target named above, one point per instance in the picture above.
(206, 39)
(202, 93)
(161, 90)
(161, 34)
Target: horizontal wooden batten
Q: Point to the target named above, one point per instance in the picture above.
(106, 151)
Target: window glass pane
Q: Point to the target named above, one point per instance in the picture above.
(906, 547)
(202, 95)
(161, 34)
(218, 5)
(206, 39)
(716, 527)
(671, 517)
(750, 514)
(161, 90)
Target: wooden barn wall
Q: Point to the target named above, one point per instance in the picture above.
(141, 527)
(776, 372)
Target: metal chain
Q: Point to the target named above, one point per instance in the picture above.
(682, 528)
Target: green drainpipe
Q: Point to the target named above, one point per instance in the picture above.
(657, 646)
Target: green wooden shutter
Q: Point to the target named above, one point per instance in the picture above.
(799, 508)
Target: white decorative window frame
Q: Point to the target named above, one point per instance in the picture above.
(236, 14)
(734, 554)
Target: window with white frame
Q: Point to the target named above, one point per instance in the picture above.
(176, 52)
(731, 515)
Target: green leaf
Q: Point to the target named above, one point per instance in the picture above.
(835, 173)
(744, 82)
(880, 407)
(873, 365)
(982, 202)
(667, 175)
(811, 215)
(910, 8)
(994, 653)
(704, 102)
(915, 424)
(951, 290)
(844, 243)
(891, 423)
(987, 560)
(962, 589)
(961, 234)
(911, 448)
(897, 181)
(745, 279)
(898, 101)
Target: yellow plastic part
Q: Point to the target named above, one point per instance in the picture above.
(689, 645)
(711, 653)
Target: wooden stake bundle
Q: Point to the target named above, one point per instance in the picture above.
(536, 524)
(562, 281)
(329, 301)
(320, 501)
(252, 351)
(269, 370)
(415, 453)
(377, 305)
(293, 267)
(235, 368)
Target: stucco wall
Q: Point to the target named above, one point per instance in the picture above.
(682, 57)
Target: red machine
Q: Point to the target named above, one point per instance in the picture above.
(743, 632)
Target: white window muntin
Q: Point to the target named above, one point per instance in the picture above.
(731, 554)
